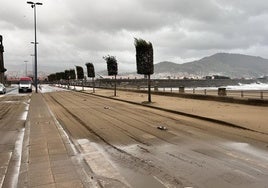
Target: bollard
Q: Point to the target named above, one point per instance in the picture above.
(205, 91)
(171, 90)
(181, 89)
(261, 94)
(193, 90)
(242, 93)
(155, 88)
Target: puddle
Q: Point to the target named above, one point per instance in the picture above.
(82, 141)
(249, 149)
(133, 177)
(138, 179)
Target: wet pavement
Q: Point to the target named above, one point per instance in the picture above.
(190, 153)
(47, 158)
(51, 159)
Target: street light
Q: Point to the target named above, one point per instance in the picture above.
(33, 5)
(32, 55)
(25, 67)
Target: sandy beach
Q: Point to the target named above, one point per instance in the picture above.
(247, 116)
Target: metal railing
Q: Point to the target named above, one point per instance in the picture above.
(253, 94)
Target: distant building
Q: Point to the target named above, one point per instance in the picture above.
(221, 77)
(208, 77)
(216, 77)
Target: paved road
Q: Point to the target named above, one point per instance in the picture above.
(13, 114)
(123, 146)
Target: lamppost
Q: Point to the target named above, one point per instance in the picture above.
(33, 5)
(25, 67)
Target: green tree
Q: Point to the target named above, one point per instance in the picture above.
(91, 73)
(52, 77)
(145, 60)
(67, 74)
(80, 72)
(112, 68)
(72, 74)
(90, 70)
(111, 65)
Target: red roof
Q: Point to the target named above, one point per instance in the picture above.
(26, 79)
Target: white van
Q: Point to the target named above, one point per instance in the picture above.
(25, 84)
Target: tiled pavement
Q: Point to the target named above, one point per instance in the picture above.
(48, 159)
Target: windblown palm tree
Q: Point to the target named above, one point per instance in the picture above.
(72, 74)
(91, 73)
(79, 72)
(145, 60)
(112, 68)
(80, 75)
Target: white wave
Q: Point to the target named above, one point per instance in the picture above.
(253, 86)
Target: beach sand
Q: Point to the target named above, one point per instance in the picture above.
(247, 116)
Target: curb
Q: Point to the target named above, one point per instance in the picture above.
(23, 172)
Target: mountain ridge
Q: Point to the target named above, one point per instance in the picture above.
(226, 64)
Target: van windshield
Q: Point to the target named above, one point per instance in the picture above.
(25, 82)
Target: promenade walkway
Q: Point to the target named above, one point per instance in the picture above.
(47, 153)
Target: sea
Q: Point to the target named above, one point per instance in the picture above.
(258, 86)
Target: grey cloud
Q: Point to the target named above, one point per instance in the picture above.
(74, 32)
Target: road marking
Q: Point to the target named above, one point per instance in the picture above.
(17, 157)
(5, 167)
(160, 181)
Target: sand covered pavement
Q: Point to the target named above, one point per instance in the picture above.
(247, 116)
(124, 147)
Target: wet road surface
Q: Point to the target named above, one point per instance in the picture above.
(13, 114)
(123, 146)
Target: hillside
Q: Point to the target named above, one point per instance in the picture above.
(233, 65)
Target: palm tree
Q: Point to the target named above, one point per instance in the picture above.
(91, 73)
(80, 75)
(145, 60)
(112, 68)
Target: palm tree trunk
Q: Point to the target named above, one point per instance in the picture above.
(93, 84)
(82, 84)
(149, 88)
(114, 85)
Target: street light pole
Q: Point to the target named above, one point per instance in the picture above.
(25, 67)
(32, 65)
(33, 5)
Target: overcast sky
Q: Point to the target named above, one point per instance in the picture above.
(73, 32)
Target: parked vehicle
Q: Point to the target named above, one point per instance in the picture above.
(2, 89)
(25, 84)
